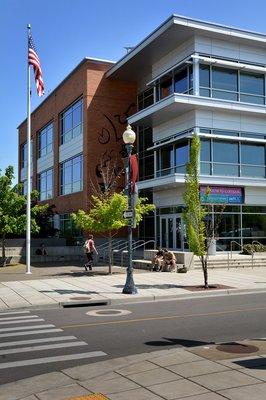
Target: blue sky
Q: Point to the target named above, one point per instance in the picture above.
(65, 31)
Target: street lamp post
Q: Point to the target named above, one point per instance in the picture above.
(129, 137)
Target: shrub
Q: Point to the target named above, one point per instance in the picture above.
(253, 248)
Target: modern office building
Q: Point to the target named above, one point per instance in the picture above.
(76, 130)
(187, 76)
(196, 76)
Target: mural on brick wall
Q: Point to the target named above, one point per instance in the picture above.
(111, 135)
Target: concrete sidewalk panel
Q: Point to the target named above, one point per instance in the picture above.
(63, 393)
(135, 394)
(179, 357)
(253, 392)
(110, 386)
(153, 377)
(196, 368)
(224, 380)
(29, 386)
(177, 389)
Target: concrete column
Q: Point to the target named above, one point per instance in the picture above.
(196, 76)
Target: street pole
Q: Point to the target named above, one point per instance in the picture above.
(129, 287)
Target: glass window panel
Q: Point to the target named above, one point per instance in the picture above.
(77, 116)
(254, 209)
(67, 175)
(245, 98)
(166, 87)
(225, 152)
(205, 92)
(205, 168)
(76, 131)
(204, 76)
(254, 225)
(253, 135)
(228, 225)
(205, 150)
(252, 154)
(256, 172)
(251, 83)
(225, 79)
(190, 78)
(149, 167)
(225, 170)
(219, 94)
(67, 122)
(181, 81)
(167, 157)
(76, 172)
(181, 169)
(181, 154)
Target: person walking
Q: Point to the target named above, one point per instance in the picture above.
(89, 250)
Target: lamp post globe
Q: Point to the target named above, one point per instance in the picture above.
(129, 135)
(129, 138)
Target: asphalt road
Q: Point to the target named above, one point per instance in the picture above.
(41, 341)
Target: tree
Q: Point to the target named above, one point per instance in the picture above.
(106, 216)
(13, 209)
(195, 213)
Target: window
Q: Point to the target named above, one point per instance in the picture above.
(25, 187)
(172, 158)
(181, 157)
(227, 158)
(45, 141)
(166, 85)
(71, 175)
(145, 99)
(179, 80)
(146, 158)
(72, 122)
(45, 185)
(24, 154)
(231, 84)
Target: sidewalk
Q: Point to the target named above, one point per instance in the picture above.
(197, 373)
(65, 285)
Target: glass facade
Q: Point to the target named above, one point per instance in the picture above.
(146, 226)
(172, 158)
(24, 154)
(68, 229)
(71, 175)
(45, 185)
(146, 158)
(71, 122)
(232, 84)
(145, 99)
(45, 141)
(228, 158)
(178, 80)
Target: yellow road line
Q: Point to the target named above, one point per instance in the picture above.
(130, 321)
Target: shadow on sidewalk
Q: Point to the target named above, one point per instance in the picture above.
(66, 291)
(162, 286)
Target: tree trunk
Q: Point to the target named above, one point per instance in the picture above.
(110, 253)
(204, 264)
(3, 251)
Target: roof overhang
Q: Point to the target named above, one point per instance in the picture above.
(169, 35)
(178, 104)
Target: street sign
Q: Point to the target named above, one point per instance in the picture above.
(128, 214)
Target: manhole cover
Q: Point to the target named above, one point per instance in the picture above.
(103, 313)
(80, 298)
(237, 348)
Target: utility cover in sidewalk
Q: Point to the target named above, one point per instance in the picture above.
(108, 313)
(94, 396)
(237, 348)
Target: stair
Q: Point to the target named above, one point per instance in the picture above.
(237, 261)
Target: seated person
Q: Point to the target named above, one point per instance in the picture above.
(41, 251)
(157, 261)
(169, 262)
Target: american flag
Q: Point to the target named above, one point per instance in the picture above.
(35, 62)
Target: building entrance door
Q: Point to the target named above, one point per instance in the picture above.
(171, 232)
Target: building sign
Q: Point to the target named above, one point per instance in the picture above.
(221, 195)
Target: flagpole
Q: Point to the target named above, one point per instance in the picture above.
(28, 228)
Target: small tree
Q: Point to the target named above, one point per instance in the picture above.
(106, 216)
(194, 214)
(13, 209)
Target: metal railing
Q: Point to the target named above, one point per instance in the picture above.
(136, 247)
(231, 247)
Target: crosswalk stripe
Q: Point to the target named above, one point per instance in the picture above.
(33, 341)
(18, 321)
(20, 317)
(20, 328)
(43, 347)
(2, 335)
(47, 360)
(14, 312)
